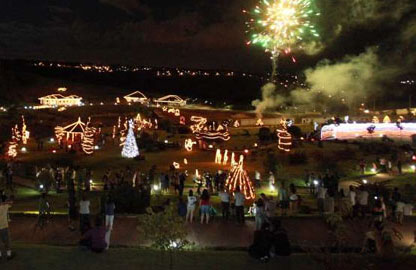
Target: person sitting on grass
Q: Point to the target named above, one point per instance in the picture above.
(94, 239)
(262, 243)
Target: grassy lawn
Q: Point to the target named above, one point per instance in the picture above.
(33, 257)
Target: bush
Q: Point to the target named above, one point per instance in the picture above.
(131, 200)
(298, 158)
(295, 131)
(264, 134)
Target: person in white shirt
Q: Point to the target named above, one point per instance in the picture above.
(257, 178)
(225, 203)
(190, 208)
(239, 205)
(84, 214)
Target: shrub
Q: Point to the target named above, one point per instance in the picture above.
(131, 200)
(298, 158)
(264, 134)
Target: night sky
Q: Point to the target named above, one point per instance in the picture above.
(195, 33)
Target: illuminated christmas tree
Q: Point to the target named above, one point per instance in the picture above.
(285, 138)
(87, 143)
(130, 149)
(238, 178)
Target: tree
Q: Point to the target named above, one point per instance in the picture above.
(130, 149)
(295, 131)
(264, 134)
(165, 229)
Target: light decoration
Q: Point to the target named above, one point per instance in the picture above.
(238, 177)
(218, 157)
(259, 122)
(200, 123)
(58, 100)
(182, 120)
(285, 138)
(362, 130)
(87, 142)
(12, 149)
(62, 89)
(164, 108)
(202, 131)
(279, 25)
(130, 149)
(114, 132)
(236, 124)
(117, 100)
(189, 144)
(123, 132)
(225, 158)
(185, 161)
(170, 100)
(136, 96)
(386, 119)
(176, 165)
(375, 120)
(25, 133)
(177, 112)
(143, 123)
(233, 162)
(71, 131)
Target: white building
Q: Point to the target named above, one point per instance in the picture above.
(136, 97)
(57, 100)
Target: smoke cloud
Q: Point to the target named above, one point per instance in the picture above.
(383, 48)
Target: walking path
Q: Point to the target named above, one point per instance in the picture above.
(303, 232)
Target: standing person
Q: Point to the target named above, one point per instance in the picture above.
(352, 196)
(283, 199)
(84, 214)
(225, 203)
(205, 205)
(272, 180)
(110, 206)
(293, 199)
(182, 179)
(321, 198)
(4, 226)
(239, 205)
(363, 201)
(399, 213)
(399, 166)
(362, 167)
(72, 212)
(190, 208)
(260, 214)
(270, 207)
(9, 176)
(257, 179)
(88, 179)
(181, 207)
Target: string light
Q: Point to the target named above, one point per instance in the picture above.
(136, 96)
(130, 149)
(73, 130)
(225, 158)
(285, 138)
(87, 142)
(171, 100)
(238, 178)
(218, 157)
(189, 144)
